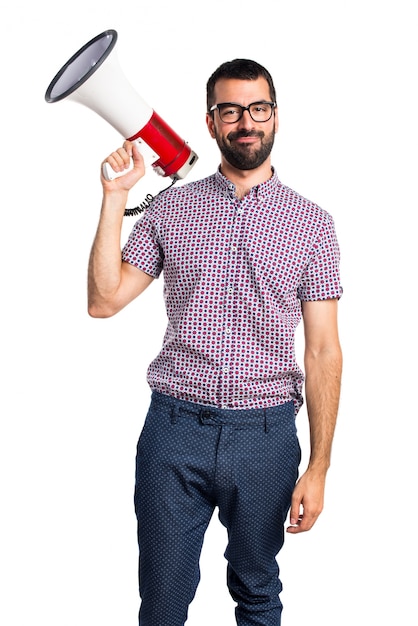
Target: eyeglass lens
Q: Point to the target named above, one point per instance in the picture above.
(259, 111)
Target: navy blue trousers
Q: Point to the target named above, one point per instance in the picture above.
(190, 460)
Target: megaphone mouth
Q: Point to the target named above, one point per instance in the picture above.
(81, 66)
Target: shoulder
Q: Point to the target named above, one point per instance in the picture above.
(189, 189)
(184, 199)
(300, 205)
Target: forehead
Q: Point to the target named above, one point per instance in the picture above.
(241, 91)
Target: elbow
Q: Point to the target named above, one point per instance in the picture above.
(100, 311)
(100, 305)
(329, 358)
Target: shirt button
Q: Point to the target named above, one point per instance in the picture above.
(228, 330)
(234, 248)
(226, 370)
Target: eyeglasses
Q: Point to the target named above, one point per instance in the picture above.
(229, 112)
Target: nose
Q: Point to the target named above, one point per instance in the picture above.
(246, 120)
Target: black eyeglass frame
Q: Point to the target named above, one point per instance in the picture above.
(273, 105)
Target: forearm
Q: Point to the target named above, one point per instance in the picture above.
(322, 390)
(105, 265)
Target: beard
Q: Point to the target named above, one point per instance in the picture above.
(245, 157)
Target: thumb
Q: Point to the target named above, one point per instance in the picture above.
(138, 159)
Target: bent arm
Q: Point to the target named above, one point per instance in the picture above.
(323, 368)
(112, 284)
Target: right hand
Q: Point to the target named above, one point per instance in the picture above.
(119, 161)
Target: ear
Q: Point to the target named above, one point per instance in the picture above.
(276, 120)
(210, 123)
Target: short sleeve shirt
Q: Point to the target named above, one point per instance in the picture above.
(235, 273)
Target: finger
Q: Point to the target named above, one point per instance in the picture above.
(118, 160)
(304, 523)
(132, 149)
(295, 525)
(124, 156)
(295, 510)
(128, 147)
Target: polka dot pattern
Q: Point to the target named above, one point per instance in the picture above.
(235, 272)
(192, 459)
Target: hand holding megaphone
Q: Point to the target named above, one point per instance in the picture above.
(122, 161)
(102, 87)
(110, 173)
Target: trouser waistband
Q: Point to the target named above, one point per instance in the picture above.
(210, 415)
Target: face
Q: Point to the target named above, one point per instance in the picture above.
(244, 144)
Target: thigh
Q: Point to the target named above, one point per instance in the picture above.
(173, 506)
(174, 469)
(264, 471)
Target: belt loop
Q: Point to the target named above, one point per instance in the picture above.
(174, 413)
(266, 421)
(204, 416)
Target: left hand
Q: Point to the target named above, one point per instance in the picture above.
(307, 502)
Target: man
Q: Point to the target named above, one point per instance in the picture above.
(244, 259)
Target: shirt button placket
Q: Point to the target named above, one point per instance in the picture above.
(228, 327)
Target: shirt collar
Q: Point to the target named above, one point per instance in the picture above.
(227, 187)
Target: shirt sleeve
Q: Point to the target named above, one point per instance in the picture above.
(142, 248)
(321, 278)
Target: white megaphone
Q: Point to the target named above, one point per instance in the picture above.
(102, 87)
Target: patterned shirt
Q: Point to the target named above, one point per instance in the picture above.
(235, 273)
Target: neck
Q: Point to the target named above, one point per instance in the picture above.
(244, 180)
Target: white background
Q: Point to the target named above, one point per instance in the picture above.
(73, 390)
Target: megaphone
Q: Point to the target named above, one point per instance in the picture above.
(93, 77)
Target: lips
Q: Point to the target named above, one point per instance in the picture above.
(246, 139)
(243, 137)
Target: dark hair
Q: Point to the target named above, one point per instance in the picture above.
(243, 69)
